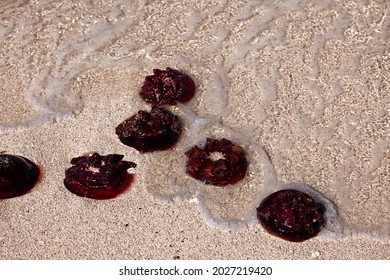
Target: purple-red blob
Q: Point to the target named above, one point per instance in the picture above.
(219, 163)
(99, 177)
(167, 87)
(18, 175)
(148, 132)
(291, 215)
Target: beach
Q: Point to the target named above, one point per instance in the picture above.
(302, 85)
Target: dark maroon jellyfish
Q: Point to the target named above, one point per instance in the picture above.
(167, 87)
(18, 175)
(219, 163)
(99, 177)
(148, 132)
(291, 215)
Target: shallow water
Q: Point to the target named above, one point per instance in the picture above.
(301, 85)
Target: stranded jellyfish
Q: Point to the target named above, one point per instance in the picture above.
(291, 215)
(18, 175)
(99, 177)
(148, 132)
(167, 87)
(219, 162)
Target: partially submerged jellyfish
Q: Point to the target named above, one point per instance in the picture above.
(18, 175)
(99, 177)
(291, 215)
(219, 162)
(169, 183)
(148, 132)
(167, 87)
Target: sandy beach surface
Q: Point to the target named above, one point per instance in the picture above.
(304, 86)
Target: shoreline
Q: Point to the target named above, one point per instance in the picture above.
(304, 89)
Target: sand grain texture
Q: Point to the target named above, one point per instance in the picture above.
(307, 81)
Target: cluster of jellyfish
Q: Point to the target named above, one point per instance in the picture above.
(215, 164)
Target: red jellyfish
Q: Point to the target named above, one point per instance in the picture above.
(18, 175)
(219, 163)
(99, 177)
(148, 132)
(291, 215)
(167, 87)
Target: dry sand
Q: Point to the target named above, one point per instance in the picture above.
(310, 85)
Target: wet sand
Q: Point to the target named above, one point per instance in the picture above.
(311, 88)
